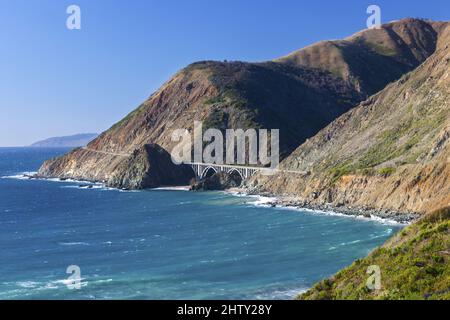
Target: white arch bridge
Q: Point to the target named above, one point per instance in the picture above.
(201, 169)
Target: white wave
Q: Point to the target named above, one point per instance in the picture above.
(65, 282)
(383, 234)
(262, 200)
(82, 184)
(265, 201)
(27, 284)
(388, 221)
(31, 175)
(74, 244)
(20, 176)
(101, 281)
(349, 242)
(288, 294)
(178, 188)
(50, 285)
(237, 193)
(374, 218)
(256, 200)
(352, 216)
(95, 186)
(63, 180)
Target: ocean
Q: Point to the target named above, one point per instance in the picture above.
(162, 244)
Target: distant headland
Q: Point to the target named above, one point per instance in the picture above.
(76, 140)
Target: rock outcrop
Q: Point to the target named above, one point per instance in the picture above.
(218, 181)
(149, 167)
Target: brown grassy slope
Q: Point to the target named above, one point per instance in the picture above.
(392, 151)
(414, 264)
(370, 59)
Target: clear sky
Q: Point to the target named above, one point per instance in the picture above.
(55, 81)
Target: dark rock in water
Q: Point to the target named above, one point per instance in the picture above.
(218, 181)
(86, 186)
(148, 167)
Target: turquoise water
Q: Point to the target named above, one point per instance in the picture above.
(162, 244)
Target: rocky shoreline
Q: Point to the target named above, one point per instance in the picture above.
(366, 212)
(296, 203)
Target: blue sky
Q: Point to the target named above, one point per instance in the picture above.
(56, 81)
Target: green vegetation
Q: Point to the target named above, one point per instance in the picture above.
(386, 171)
(411, 130)
(341, 170)
(386, 148)
(217, 119)
(381, 48)
(415, 264)
(400, 145)
(215, 100)
(133, 114)
(347, 167)
(235, 98)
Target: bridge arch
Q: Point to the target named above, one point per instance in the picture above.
(234, 171)
(236, 174)
(208, 172)
(203, 170)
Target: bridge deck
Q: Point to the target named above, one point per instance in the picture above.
(245, 171)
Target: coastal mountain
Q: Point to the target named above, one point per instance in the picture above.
(392, 152)
(299, 94)
(77, 140)
(414, 264)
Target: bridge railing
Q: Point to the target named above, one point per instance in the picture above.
(200, 169)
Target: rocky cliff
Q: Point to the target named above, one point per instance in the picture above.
(149, 166)
(298, 94)
(390, 152)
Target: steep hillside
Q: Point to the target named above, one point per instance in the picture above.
(298, 96)
(415, 264)
(390, 152)
(369, 60)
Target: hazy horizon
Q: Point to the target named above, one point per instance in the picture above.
(59, 82)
